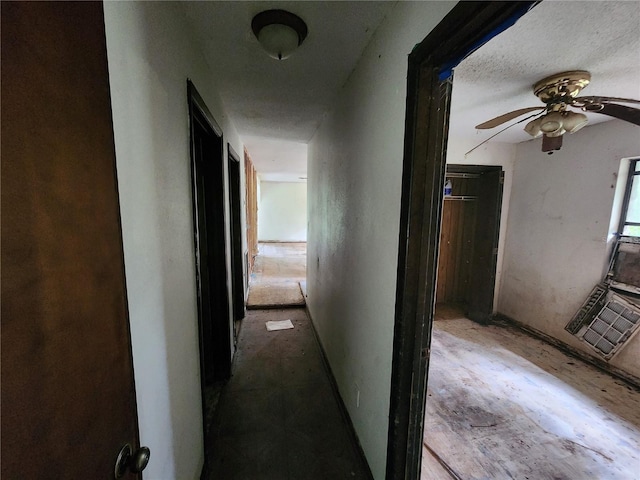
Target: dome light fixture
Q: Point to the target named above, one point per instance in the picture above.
(279, 32)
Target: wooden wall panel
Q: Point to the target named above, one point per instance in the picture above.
(251, 210)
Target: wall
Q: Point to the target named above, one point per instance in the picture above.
(503, 155)
(282, 212)
(354, 188)
(150, 55)
(556, 249)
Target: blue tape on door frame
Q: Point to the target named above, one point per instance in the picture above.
(447, 68)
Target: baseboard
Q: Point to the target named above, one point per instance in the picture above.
(600, 364)
(343, 409)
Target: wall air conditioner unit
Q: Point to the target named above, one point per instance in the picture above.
(610, 316)
(616, 323)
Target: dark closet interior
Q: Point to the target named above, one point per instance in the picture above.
(469, 240)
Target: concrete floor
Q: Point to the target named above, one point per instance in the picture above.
(278, 417)
(502, 404)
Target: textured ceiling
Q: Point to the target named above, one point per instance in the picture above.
(271, 101)
(555, 36)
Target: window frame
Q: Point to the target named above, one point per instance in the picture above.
(631, 174)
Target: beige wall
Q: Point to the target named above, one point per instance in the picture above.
(282, 212)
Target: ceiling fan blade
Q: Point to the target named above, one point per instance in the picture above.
(494, 122)
(499, 132)
(628, 114)
(593, 99)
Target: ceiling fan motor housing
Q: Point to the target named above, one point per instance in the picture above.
(561, 87)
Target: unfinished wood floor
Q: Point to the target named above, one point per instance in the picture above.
(278, 276)
(280, 262)
(503, 405)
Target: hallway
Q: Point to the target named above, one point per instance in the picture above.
(279, 416)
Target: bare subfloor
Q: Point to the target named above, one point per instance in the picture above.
(278, 277)
(280, 262)
(504, 405)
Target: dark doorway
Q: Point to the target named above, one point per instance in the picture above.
(469, 240)
(237, 280)
(207, 163)
(429, 79)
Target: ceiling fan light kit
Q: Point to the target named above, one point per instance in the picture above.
(572, 121)
(279, 32)
(551, 124)
(559, 92)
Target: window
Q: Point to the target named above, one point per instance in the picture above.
(630, 215)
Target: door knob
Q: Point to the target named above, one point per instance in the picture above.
(134, 462)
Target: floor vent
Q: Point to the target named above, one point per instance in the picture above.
(612, 326)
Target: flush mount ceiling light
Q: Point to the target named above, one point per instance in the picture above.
(279, 32)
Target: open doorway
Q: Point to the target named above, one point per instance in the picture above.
(428, 95)
(480, 422)
(235, 205)
(279, 223)
(208, 164)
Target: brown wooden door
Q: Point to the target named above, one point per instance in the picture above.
(68, 399)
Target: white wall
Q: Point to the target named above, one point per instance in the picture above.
(354, 183)
(282, 212)
(556, 249)
(150, 55)
(500, 154)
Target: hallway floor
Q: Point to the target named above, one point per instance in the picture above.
(502, 404)
(278, 416)
(278, 278)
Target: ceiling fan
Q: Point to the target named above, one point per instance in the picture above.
(559, 92)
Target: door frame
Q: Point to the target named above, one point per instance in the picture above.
(236, 230)
(429, 80)
(218, 289)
